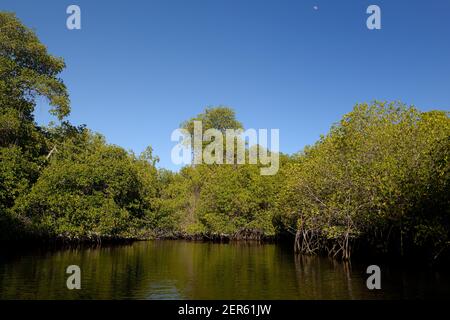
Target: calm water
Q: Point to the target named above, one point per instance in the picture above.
(191, 270)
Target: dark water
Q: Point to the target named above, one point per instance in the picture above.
(191, 270)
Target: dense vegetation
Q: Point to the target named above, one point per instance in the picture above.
(379, 180)
(380, 175)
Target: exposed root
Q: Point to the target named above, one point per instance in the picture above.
(311, 242)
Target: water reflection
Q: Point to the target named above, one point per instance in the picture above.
(190, 270)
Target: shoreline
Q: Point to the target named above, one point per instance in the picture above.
(361, 256)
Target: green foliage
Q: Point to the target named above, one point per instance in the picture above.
(236, 198)
(220, 118)
(91, 190)
(27, 70)
(221, 199)
(379, 179)
(381, 174)
(61, 181)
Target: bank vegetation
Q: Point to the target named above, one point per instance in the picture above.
(377, 182)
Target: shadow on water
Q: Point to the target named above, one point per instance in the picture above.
(198, 270)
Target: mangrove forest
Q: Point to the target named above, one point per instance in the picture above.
(377, 183)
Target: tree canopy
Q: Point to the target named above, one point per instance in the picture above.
(378, 181)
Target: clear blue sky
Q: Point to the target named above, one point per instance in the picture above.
(139, 68)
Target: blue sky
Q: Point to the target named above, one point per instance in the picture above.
(137, 69)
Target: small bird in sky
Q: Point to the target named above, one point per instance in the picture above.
(316, 8)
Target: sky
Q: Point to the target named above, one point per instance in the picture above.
(137, 69)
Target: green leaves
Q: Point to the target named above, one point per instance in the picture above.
(376, 170)
(91, 189)
(27, 69)
(220, 118)
(219, 199)
(380, 177)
